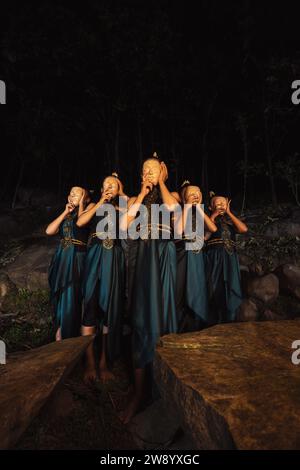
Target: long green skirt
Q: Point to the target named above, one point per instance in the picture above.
(153, 312)
(224, 284)
(65, 281)
(103, 290)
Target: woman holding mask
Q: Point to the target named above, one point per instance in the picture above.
(153, 309)
(103, 283)
(66, 268)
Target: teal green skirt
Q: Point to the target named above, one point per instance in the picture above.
(103, 291)
(65, 281)
(224, 284)
(153, 305)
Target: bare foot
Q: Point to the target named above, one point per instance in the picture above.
(131, 409)
(90, 375)
(106, 375)
(58, 335)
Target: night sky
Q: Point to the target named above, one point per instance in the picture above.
(96, 87)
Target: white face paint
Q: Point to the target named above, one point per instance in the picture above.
(75, 195)
(219, 203)
(193, 195)
(151, 171)
(111, 185)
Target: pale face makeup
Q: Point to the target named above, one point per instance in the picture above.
(111, 185)
(151, 171)
(193, 195)
(75, 195)
(219, 203)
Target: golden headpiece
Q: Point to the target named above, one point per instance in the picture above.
(186, 182)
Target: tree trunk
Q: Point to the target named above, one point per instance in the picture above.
(18, 184)
(204, 175)
(270, 162)
(139, 138)
(243, 130)
(117, 143)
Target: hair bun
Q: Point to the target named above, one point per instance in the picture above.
(115, 174)
(155, 155)
(212, 193)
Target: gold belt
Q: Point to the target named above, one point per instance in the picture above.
(220, 240)
(108, 243)
(161, 227)
(71, 241)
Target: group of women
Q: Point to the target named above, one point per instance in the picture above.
(156, 284)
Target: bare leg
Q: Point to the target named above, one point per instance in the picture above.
(104, 373)
(58, 335)
(90, 373)
(136, 399)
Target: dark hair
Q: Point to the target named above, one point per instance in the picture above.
(154, 157)
(213, 195)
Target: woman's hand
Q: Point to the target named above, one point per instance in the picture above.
(83, 197)
(163, 176)
(216, 214)
(121, 188)
(228, 210)
(105, 196)
(146, 187)
(69, 208)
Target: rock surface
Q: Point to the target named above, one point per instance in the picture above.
(155, 427)
(248, 311)
(234, 385)
(264, 288)
(8, 291)
(30, 269)
(29, 379)
(289, 279)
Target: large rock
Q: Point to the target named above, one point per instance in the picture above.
(264, 288)
(30, 269)
(29, 379)
(248, 311)
(155, 427)
(269, 315)
(282, 228)
(289, 279)
(8, 292)
(234, 386)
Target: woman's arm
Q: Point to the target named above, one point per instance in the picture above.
(209, 224)
(133, 206)
(238, 224)
(87, 215)
(53, 227)
(167, 197)
(82, 207)
(91, 210)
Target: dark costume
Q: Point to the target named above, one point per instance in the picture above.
(191, 290)
(223, 273)
(153, 309)
(103, 286)
(65, 276)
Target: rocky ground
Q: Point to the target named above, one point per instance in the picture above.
(270, 267)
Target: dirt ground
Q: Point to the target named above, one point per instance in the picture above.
(82, 417)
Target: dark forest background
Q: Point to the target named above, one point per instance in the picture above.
(96, 87)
